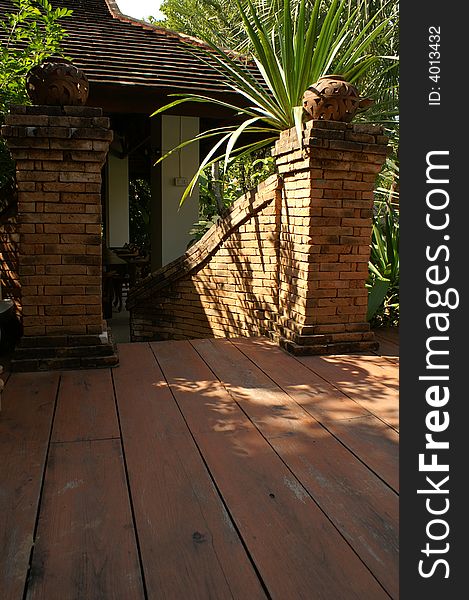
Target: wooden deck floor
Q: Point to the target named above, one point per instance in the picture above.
(209, 469)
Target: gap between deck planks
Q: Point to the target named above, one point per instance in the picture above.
(297, 550)
(360, 505)
(85, 546)
(85, 407)
(362, 432)
(358, 384)
(189, 546)
(25, 426)
(224, 501)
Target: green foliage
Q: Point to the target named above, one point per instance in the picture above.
(32, 33)
(139, 213)
(242, 176)
(293, 43)
(383, 280)
(246, 174)
(291, 51)
(7, 173)
(217, 20)
(387, 189)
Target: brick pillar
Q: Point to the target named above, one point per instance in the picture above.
(325, 233)
(59, 153)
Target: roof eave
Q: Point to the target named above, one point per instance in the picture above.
(117, 14)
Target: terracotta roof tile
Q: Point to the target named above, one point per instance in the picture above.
(115, 49)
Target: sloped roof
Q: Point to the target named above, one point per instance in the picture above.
(118, 50)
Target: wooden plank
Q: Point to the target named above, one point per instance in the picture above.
(25, 424)
(387, 349)
(189, 546)
(357, 383)
(388, 333)
(376, 366)
(323, 400)
(388, 342)
(374, 442)
(28, 403)
(360, 505)
(85, 407)
(85, 546)
(297, 550)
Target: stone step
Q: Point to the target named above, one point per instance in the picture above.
(47, 353)
(58, 341)
(320, 339)
(61, 363)
(329, 348)
(63, 352)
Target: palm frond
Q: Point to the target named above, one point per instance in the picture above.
(292, 47)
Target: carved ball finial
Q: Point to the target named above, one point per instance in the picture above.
(332, 98)
(57, 82)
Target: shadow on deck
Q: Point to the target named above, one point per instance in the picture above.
(202, 469)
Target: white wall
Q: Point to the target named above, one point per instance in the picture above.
(117, 201)
(177, 221)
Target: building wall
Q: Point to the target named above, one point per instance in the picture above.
(176, 221)
(117, 200)
(171, 223)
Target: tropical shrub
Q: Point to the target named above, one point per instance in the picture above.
(30, 35)
(293, 44)
(290, 51)
(241, 177)
(383, 280)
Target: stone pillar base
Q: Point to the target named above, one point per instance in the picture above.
(54, 352)
(312, 339)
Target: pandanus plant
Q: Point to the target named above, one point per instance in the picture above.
(383, 280)
(289, 53)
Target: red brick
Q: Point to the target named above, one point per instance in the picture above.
(65, 208)
(66, 329)
(65, 290)
(61, 186)
(80, 177)
(66, 269)
(82, 197)
(80, 218)
(65, 248)
(35, 330)
(41, 300)
(71, 144)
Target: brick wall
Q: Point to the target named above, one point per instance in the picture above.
(326, 221)
(59, 153)
(9, 278)
(290, 259)
(224, 284)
